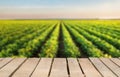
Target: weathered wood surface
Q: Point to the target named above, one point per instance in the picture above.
(59, 67)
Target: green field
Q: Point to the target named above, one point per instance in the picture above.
(59, 38)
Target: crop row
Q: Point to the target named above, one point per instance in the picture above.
(59, 39)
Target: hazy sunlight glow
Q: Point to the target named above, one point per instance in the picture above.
(45, 9)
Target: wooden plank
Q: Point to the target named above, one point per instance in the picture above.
(4, 62)
(116, 61)
(102, 68)
(27, 68)
(74, 68)
(7, 70)
(111, 65)
(59, 68)
(43, 68)
(88, 68)
(94, 67)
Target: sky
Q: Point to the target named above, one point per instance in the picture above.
(60, 9)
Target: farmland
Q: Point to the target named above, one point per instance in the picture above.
(59, 38)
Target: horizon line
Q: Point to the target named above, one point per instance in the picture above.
(63, 19)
